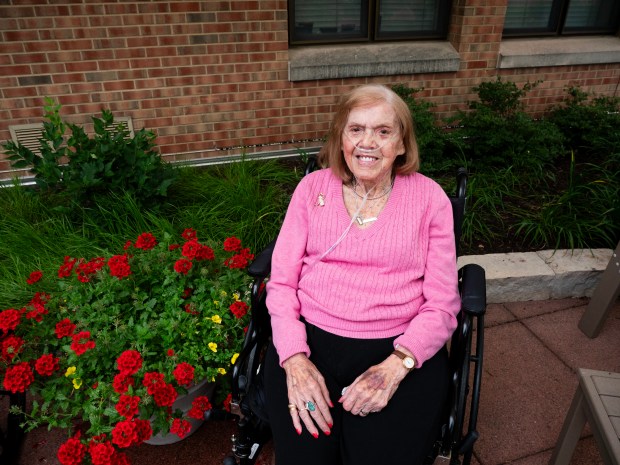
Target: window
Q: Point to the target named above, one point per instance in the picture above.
(565, 17)
(341, 21)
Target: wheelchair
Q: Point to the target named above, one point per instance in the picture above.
(455, 443)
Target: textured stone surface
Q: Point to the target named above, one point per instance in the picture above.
(548, 274)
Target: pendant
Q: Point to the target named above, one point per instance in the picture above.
(361, 221)
(320, 201)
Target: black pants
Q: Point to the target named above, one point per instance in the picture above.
(402, 433)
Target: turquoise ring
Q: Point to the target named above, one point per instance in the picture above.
(310, 406)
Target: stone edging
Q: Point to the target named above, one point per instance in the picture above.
(543, 275)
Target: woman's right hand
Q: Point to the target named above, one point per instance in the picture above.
(307, 389)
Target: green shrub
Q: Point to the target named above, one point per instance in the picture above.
(591, 127)
(437, 154)
(88, 168)
(497, 132)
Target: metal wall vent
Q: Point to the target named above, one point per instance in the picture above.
(125, 122)
(28, 135)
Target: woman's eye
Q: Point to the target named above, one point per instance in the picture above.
(384, 132)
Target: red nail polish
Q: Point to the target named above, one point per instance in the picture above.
(298, 431)
(327, 433)
(330, 425)
(315, 435)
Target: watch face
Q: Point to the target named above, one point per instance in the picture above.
(408, 362)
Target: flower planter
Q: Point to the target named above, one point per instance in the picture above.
(184, 403)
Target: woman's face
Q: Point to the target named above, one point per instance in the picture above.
(371, 141)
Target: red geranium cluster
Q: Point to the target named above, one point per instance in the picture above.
(119, 266)
(132, 432)
(86, 269)
(239, 309)
(129, 362)
(146, 241)
(180, 427)
(200, 405)
(239, 260)
(81, 342)
(64, 328)
(9, 319)
(18, 377)
(46, 364)
(34, 277)
(10, 347)
(183, 374)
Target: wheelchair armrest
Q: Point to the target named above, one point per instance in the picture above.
(261, 266)
(473, 289)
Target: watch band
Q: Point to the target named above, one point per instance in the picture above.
(408, 362)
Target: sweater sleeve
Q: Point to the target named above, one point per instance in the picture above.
(430, 329)
(289, 334)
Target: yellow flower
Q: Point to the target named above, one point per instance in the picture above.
(212, 346)
(70, 371)
(236, 296)
(216, 303)
(221, 371)
(234, 359)
(216, 319)
(223, 293)
(77, 383)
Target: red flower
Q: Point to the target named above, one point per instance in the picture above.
(172, 247)
(9, 319)
(200, 405)
(46, 365)
(227, 402)
(180, 427)
(239, 260)
(164, 395)
(187, 292)
(71, 452)
(128, 245)
(102, 453)
(183, 266)
(170, 353)
(129, 362)
(119, 266)
(37, 312)
(125, 433)
(121, 383)
(239, 309)
(189, 234)
(205, 253)
(64, 328)
(65, 269)
(183, 373)
(11, 346)
(127, 406)
(34, 277)
(191, 308)
(144, 430)
(190, 248)
(146, 241)
(232, 244)
(151, 380)
(86, 269)
(81, 342)
(18, 377)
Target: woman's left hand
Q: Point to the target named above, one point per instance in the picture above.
(372, 390)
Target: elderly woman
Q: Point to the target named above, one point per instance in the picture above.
(362, 296)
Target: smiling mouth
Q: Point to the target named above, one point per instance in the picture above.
(366, 158)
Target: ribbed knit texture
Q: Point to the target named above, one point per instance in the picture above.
(396, 277)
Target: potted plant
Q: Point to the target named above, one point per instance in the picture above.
(107, 347)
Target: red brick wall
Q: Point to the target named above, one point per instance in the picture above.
(211, 76)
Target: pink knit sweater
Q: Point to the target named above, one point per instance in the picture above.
(396, 277)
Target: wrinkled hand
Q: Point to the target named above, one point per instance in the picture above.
(372, 390)
(305, 383)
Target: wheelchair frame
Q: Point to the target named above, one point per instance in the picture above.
(454, 446)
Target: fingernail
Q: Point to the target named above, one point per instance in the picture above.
(315, 435)
(331, 404)
(298, 431)
(330, 425)
(327, 433)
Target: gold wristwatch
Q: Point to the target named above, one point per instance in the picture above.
(408, 362)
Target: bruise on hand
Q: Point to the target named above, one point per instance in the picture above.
(374, 380)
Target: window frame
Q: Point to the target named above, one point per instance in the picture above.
(373, 34)
(557, 24)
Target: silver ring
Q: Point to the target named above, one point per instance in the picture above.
(363, 414)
